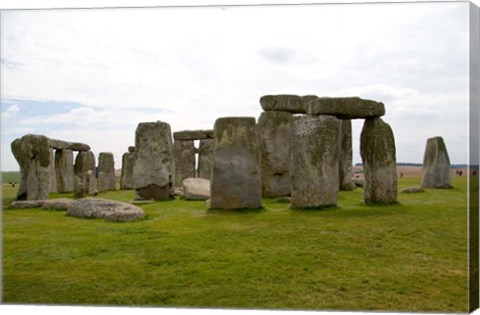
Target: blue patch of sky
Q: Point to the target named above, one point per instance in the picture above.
(32, 108)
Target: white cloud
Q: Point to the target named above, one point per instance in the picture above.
(10, 112)
(188, 66)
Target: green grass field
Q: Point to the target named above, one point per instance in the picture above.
(407, 257)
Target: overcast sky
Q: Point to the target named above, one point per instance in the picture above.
(92, 75)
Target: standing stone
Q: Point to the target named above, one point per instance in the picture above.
(377, 148)
(154, 167)
(64, 170)
(436, 165)
(184, 152)
(51, 168)
(205, 156)
(91, 183)
(274, 141)
(126, 179)
(345, 156)
(84, 162)
(79, 189)
(33, 156)
(236, 178)
(314, 161)
(106, 165)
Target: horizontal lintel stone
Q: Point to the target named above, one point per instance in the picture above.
(65, 145)
(193, 134)
(346, 107)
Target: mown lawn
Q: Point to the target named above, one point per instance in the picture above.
(407, 257)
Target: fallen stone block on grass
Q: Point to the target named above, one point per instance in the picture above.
(108, 209)
(54, 204)
(412, 190)
(196, 189)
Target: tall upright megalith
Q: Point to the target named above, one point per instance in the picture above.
(274, 142)
(345, 156)
(33, 155)
(436, 164)
(377, 148)
(236, 179)
(128, 160)
(314, 161)
(84, 168)
(64, 170)
(205, 155)
(51, 168)
(154, 167)
(106, 171)
(184, 152)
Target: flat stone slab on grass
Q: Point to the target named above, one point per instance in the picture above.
(107, 209)
(412, 190)
(55, 204)
(345, 107)
(196, 189)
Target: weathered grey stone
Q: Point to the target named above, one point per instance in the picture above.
(107, 209)
(54, 204)
(51, 169)
(84, 162)
(314, 161)
(179, 191)
(412, 190)
(65, 145)
(33, 156)
(236, 179)
(184, 152)
(154, 167)
(126, 179)
(345, 156)
(91, 183)
(205, 156)
(436, 165)
(345, 107)
(64, 170)
(26, 204)
(131, 149)
(283, 103)
(196, 188)
(106, 165)
(79, 189)
(193, 135)
(377, 148)
(274, 142)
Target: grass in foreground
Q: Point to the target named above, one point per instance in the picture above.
(406, 257)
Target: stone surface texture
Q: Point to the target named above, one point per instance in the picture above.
(51, 168)
(436, 171)
(33, 156)
(106, 167)
(205, 155)
(284, 103)
(193, 135)
(64, 170)
(274, 143)
(107, 209)
(50, 204)
(236, 178)
(346, 107)
(377, 148)
(196, 189)
(154, 167)
(65, 145)
(314, 161)
(184, 152)
(345, 156)
(126, 179)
